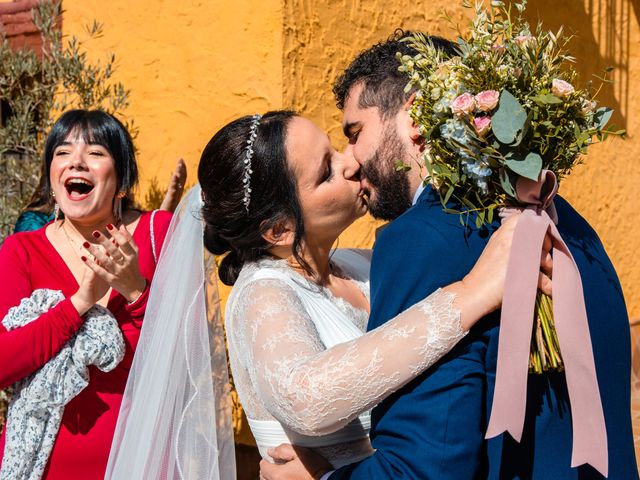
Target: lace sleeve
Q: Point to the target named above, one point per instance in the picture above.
(316, 391)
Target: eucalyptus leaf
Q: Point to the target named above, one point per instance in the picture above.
(523, 132)
(509, 118)
(602, 116)
(528, 166)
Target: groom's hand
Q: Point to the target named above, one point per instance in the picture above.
(293, 463)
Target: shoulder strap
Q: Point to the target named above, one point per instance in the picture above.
(153, 237)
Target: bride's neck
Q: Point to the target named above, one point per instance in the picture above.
(316, 257)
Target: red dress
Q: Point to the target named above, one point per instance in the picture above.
(28, 261)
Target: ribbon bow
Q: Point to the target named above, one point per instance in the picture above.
(569, 311)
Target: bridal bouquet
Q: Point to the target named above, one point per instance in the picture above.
(506, 108)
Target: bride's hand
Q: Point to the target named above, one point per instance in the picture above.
(486, 280)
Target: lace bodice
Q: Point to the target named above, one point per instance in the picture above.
(279, 327)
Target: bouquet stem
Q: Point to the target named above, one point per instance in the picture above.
(545, 349)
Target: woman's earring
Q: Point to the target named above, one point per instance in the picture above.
(117, 207)
(56, 207)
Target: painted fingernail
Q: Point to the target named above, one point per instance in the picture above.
(96, 234)
(84, 259)
(86, 245)
(109, 226)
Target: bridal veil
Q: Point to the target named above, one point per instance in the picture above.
(175, 418)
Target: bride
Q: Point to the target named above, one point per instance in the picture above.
(275, 198)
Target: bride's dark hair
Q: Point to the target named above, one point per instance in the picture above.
(274, 199)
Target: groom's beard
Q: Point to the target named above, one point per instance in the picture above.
(392, 190)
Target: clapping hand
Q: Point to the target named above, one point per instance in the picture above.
(176, 187)
(91, 289)
(115, 261)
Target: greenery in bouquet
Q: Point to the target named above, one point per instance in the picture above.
(505, 107)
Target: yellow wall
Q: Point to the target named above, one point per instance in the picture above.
(192, 66)
(320, 38)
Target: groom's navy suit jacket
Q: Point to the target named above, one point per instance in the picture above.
(433, 428)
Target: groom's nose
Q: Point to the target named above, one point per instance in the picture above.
(349, 151)
(351, 168)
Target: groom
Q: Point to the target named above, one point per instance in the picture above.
(433, 428)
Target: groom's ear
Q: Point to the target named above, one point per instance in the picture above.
(411, 126)
(281, 234)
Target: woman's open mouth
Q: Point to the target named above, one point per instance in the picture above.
(78, 188)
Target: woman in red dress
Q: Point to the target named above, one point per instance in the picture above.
(102, 253)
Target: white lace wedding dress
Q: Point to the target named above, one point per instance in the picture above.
(302, 366)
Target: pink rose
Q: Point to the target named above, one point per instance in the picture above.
(482, 124)
(463, 104)
(561, 89)
(487, 100)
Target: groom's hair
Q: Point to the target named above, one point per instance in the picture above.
(377, 67)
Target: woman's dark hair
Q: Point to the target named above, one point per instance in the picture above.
(229, 227)
(100, 128)
(41, 200)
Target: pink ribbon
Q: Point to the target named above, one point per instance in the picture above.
(570, 316)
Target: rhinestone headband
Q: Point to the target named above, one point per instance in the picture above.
(248, 153)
